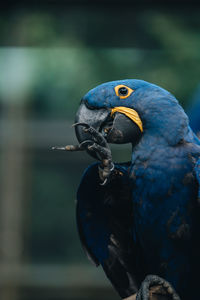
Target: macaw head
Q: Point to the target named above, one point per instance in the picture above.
(125, 111)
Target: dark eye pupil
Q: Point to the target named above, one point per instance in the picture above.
(123, 91)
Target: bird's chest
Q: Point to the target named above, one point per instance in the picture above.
(154, 181)
(163, 197)
(157, 182)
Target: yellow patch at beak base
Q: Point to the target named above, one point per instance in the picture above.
(130, 113)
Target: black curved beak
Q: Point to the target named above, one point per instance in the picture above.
(93, 117)
(117, 128)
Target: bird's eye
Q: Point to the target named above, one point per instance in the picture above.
(123, 91)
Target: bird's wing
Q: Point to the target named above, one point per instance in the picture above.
(105, 220)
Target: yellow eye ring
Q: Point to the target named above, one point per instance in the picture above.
(123, 91)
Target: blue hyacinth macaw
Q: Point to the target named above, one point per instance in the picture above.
(140, 220)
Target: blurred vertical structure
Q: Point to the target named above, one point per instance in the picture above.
(14, 166)
(12, 191)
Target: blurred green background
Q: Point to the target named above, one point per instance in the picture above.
(51, 54)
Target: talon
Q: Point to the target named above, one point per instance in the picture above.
(80, 124)
(85, 143)
(112, 166)
(91, 147)
(105, 181)
(89, 129)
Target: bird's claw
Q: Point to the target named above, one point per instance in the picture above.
(80, 124)
(95, 134)
(103, 151)
(106, 166)
(104, 173)
(86, 144)
(154, 280)
(97, 144)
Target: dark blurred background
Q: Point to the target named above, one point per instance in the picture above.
(51, 54)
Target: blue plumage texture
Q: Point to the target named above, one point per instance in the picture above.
(146, 219)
